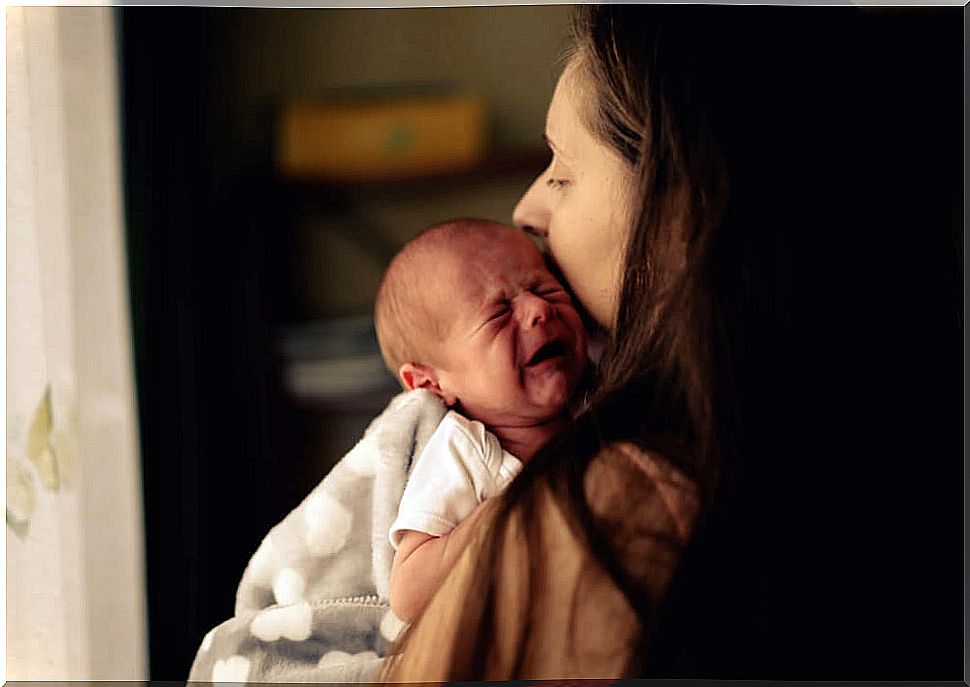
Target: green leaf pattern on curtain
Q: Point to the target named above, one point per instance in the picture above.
(48, 452)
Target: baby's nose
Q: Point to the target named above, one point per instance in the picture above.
(535, 310)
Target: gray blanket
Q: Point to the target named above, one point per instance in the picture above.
(312, 604)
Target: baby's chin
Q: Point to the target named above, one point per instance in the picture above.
(553, 394)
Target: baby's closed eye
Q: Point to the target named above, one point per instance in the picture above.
(500, 310)
(553, 293)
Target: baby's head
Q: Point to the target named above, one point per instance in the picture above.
(470, 311)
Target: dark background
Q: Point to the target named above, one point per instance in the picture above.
(228, 259)
(874, 338)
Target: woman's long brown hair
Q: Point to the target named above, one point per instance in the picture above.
(655, 80)
(788, 333)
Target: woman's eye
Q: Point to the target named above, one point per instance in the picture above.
(556, 184)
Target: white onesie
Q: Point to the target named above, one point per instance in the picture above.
(462, 465)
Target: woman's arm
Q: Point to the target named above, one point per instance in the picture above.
(422, 562)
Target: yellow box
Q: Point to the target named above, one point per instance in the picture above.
(381, 140)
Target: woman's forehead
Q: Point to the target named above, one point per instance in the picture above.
(567, 131)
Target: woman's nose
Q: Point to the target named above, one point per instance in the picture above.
(531, 214)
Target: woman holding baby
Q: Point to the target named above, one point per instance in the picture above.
(717, 509)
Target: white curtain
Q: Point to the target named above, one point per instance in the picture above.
(75, 587)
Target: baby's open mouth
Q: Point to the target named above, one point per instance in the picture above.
(553, 349)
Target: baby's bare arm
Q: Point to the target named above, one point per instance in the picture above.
(421, 563)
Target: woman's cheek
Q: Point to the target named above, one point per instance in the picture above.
(563, 249)
(578, 270)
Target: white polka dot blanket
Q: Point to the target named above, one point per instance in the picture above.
(312, 604)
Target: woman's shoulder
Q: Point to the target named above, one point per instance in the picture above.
(626, 455)
(644, 505)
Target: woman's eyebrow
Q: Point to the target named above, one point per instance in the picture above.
(555, 149)
(549, 142)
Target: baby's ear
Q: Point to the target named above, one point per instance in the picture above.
(417, 376)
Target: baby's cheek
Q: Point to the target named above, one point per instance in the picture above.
(490, 372)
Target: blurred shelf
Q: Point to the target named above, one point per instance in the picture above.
(500, 165)
(335, 364)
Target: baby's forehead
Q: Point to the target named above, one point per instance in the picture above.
(487, 276)
(478, 264)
